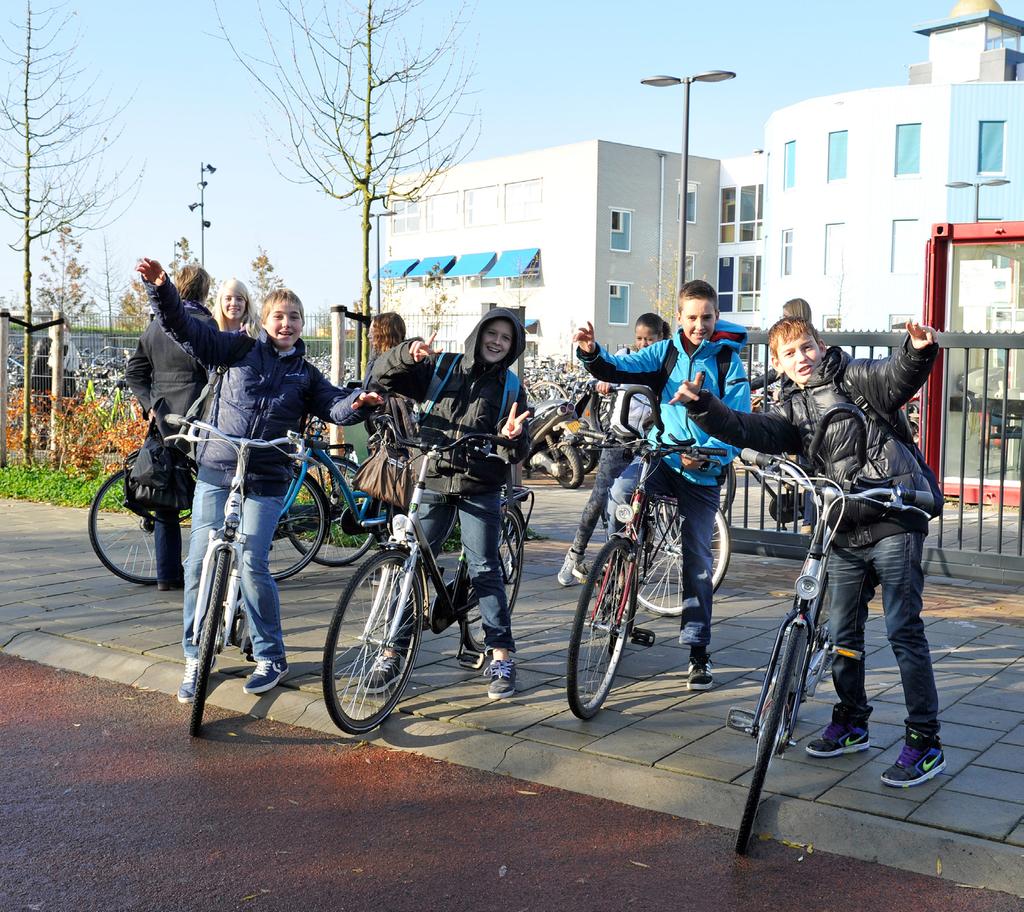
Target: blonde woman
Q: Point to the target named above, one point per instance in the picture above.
(232, 310)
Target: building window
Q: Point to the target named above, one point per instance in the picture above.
(621, 221)
(742, 223)
(997, 37)
(835, 236)
(691, 265)
(522, 201)
(618, 305)
(726, 282)
(991, 136)
(789, 166)
(787, 251)
(406, 218)
(748, 283)
(837, 155)
(442, 211)
(907, 250)
(481, 206)
(908, 149)
(691, 202)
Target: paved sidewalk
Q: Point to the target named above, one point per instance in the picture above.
(654, 745)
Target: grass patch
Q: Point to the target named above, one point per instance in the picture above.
(45, 485)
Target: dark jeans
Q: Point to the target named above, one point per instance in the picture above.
(609, 467)
(480, 518)
(697, 505)
(894, 563)
(167, 544)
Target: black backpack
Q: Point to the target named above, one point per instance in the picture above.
(723, 358)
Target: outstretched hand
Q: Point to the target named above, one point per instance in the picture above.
(689, 391)
(584, 338)
(420, 349)
(151, 271)
(368, 399)
(514, 425)
(921, 336)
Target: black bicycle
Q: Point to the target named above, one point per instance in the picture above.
(803, 651)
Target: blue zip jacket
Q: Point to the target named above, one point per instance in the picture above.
(262, 395)
(645, 368)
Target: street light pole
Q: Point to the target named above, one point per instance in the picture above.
(377, 217)
(684, 169)
(977, 185)
(201, 206)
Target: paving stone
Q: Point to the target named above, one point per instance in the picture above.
(558, 737)
(997, 699)
(704, 767)
(986, 782)
(1003, 756)
(982, 716)
(967, 736)
(604, 723)
(867, 779)
(635, 746)
(887, 805)
(1017, 836)
(969, 814)
(282, 704)
(796, 779)
(682, 726)
(1014, 737)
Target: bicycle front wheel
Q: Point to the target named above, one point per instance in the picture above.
(774, 725)
(510, 555)
(300, 531)
(361, 687)
(212, 615)
(603, 621)
(346, 541)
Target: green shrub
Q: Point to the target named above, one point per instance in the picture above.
(46, 485)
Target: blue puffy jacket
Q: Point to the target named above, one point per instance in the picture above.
(645, 367)
(262, 395)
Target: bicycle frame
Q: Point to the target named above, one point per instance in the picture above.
(357, 501)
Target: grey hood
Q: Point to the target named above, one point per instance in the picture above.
(518, 343)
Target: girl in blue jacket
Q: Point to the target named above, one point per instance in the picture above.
(268, 390)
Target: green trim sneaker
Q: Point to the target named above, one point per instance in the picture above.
(920, 760)
(839, 738)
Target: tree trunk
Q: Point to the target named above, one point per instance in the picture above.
(367, 194)
(26, 401)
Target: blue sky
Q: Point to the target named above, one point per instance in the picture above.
(548, 72)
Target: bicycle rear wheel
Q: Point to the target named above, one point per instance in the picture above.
(661, 591)
(122, 539)
(774, 727)
(603, 621)
(300, 531)
(346, 541)
(510, 552)
(212, 615)
(357, 700)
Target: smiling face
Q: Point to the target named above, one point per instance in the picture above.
(697, 318)
(496, 341)
(645, 336)
(283, 323)
(233, 305)
(797, 357)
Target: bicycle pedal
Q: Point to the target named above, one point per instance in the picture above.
(740, 720)
(641, 636)
(470, 658)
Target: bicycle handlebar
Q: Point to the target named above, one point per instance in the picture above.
(443, 448)
(293, 438)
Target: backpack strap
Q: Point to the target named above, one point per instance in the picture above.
(509, 395)
(723, 358)
(438, 381)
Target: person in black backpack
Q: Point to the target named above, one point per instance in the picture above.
(461, 395)
(873, 548)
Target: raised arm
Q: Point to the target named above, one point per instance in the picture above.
(338, 406)
(406, 369)
(643, 367)
(890, 383)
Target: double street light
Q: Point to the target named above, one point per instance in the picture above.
(661, 82)
(201, 206)
(977, 185)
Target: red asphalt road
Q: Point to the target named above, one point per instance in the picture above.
(107, 804)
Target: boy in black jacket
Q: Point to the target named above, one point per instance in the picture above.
(469, 401)
(872, 547)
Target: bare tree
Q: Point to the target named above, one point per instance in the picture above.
(63, 286)
(111, 283)
(53, 136)
(359, 105)
(264, 278)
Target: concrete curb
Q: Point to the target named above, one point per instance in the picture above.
(913, 847)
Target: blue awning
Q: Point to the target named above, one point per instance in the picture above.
(513, 263)
(471, 264)
(396, 269)
(428, 265)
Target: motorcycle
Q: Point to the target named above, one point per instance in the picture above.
(552, 449)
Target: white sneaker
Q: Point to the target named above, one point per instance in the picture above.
(573, 571)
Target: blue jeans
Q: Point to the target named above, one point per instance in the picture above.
(894, 563)
(259, 591)
(697, 505)
(480, 517)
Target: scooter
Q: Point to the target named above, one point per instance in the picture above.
(552, 449)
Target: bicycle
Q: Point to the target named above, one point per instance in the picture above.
(803, 651)
(635, 559)
(384, 608)
(219, 603)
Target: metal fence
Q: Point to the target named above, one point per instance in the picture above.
(980, 460)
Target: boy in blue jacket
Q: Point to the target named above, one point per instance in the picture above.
(703, 344)
(268, 390)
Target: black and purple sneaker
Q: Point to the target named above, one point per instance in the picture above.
(920, 760)
(840, 737)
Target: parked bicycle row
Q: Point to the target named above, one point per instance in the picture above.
(266, 500)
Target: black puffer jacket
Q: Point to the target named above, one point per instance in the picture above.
(469, 402)
(789, 427)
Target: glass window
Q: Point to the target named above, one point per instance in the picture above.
(621, 221)
(691, 202)
(618, 304)
(522, 201)
(787, 251)
(691, 265)
(837, 155)
(726, 278)
(750, 212)
(991, 134)
(907, 248)
(908, 149)
(835, 236)
(406, 218)
(442, 211)
(481, 206)
(727, 234)
(789, 166)
(748, 283)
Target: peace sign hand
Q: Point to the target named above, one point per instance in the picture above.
(584, 338)
(689, 391)
(921, 336)
(420, 349)
(514, 425)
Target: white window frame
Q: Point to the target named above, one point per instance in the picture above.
(1002, 163)
(431, 205)
(618, 285)
(406, 219)
(829, 248)
(899, 259)
(787, 252)
(626, 232)
(469, 206)
(754, 292)
(531, 208)
(691, 187)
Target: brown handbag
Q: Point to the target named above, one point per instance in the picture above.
(387, 475)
